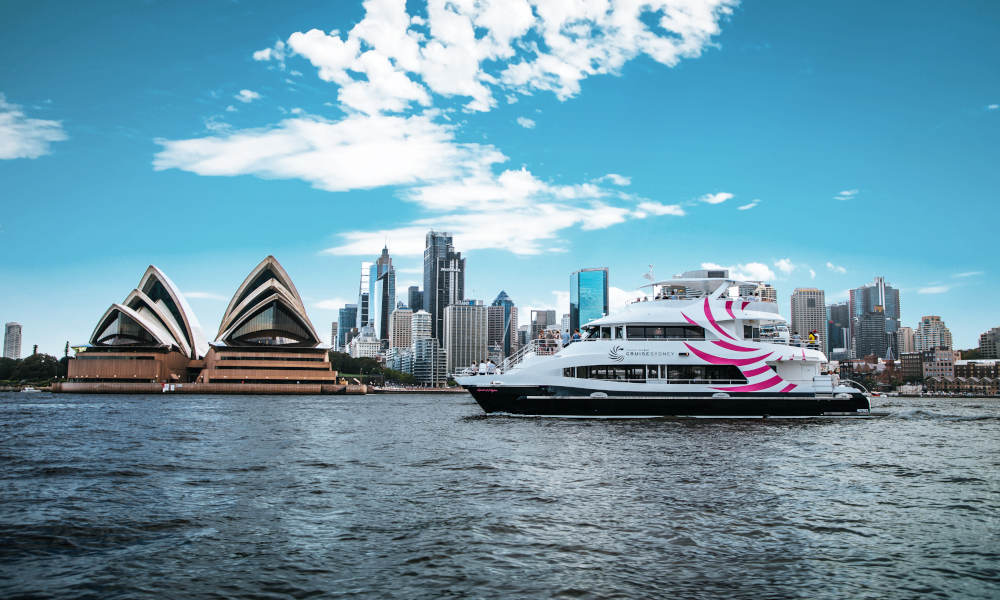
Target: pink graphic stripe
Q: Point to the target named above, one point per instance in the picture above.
(718, 360)
(729, 346)
(788, 388)
(753, 387)
(711, 320)
(729, 308)
(757, 371)
(689, 319)
(744, 307)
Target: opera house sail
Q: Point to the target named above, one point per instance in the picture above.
(150, 337)
(266, 337)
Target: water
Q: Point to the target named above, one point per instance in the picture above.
(419, 496)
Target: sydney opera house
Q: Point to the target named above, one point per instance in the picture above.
(152, 342)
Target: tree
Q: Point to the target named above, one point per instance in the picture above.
(37, 367)
(7, 366)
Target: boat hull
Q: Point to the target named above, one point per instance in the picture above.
(549, 401)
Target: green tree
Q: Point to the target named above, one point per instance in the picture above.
(37, 367)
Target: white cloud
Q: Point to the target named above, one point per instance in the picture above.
(615, 179)
(331, 304)
(23, 137)
(205, 296)
(752, 204)
(934, 289)
(993, 107)
(812, 274)
(247, 96)
(846, 195)
(784, 265)
(753, 271)
(659, 209)
(836, 268)
(526, 122)
(230, 108)
(718, 198)
(968, 274)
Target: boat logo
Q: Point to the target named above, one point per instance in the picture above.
(616, 353)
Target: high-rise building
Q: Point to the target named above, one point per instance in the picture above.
(542, 320)
(429, 364)
(764, 291)
(366, 344)
(588, 297)
(465, 335)
(809, 314)
(382, 296)
(838, 330)
(871, 338)
(564, 324)
(401, 328)
(444, 277)
(421, 325)
(333, 334)
(364, 296)
(878, 298)
(347, 319)
(414, 298)
(904, 341)
(989, 343)
(502, 317)
(931, 333)
(523, 335)
(12, 341)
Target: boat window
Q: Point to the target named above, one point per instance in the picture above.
(605, 333)
(679, 374)
(619, 331)
(668, 332)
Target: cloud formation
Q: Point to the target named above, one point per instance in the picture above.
(718, 198)
(526, 122)
(835, 268)
(752, 204)
(934, 289)
(846, 195)
(247, 96)
(24, 137)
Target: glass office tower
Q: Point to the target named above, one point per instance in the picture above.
(588, 296)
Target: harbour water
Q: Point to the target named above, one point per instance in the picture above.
(420, 496)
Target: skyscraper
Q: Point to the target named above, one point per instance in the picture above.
(809, 314)
(989, 343)
(502, 317)
(333, 334)
(838, 330)
(364, 290)
(931, 333)
(400, 328)
(421, 325)
(382, 297)
(347, 319)
(414, 298)
(541, 320)
(904, 341)
(465, 329)
(588, 296)
(444, 277)
(429, 367)
(880, 299)
(12, 341)
(871, 338)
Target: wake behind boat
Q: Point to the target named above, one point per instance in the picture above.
(705, 345)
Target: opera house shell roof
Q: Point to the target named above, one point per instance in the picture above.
(155, 314)
(266, 311)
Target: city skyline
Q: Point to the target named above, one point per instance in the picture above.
(711, 156)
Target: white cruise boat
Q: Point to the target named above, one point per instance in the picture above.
(701, 345)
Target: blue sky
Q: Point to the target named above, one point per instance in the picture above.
(811, 145)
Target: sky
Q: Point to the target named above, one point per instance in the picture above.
(806, 144)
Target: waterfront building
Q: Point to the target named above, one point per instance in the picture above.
(150, 337)
(364, 296)
(931, 333)
(401, 328)
(764, 291)
(977, 368)
(429, 363)
(912, 366)
(266, 337)
(347, 320)
(366, 344)
(421, 325)
(399, 359)
(502, 324)
(12, 340)
(838, 330)
(382, 295)
(989, 343)
(415, 298)
(588, 297)
(444, 277)
(465, 334)
(542, 320)
(904, 340)
(809, 314)
(523, 335)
